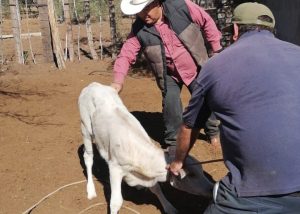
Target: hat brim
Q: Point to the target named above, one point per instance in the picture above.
(131, 9)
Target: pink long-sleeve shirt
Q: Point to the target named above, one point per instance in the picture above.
(178, 59)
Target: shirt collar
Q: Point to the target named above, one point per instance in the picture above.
(256, 32)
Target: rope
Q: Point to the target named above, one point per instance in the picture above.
(47, 196)
(82, 211)
(99, 204)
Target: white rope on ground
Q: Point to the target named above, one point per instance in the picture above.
(67, 185)
(100, 204)
(47, 196)
(92, 206)
(128, 208)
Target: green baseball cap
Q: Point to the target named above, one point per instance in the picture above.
(253, 13)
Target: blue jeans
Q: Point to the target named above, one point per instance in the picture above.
(227, 202)
(172, 112)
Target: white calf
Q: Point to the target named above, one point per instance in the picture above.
(123, 143)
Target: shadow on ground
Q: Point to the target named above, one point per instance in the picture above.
(152, 122)
(154, 125)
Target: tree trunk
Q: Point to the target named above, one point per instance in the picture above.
(29, 35)
(45, 31)
(78, 32)
(1, 45)
(113, 27)
(89, 29)
(55, 35)
(15, 16)
(70, 46)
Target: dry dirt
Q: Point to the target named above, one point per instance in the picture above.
(41, 145)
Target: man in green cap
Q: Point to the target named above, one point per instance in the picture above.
(253, 89)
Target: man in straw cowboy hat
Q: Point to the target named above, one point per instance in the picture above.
(253, 88)
(169, 33)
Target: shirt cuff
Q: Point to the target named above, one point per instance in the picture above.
(216, 46)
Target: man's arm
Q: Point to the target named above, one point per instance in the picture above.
(185, 141)
(127, 57)
(206, 23)
(194, 118)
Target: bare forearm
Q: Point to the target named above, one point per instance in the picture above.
(185, 141)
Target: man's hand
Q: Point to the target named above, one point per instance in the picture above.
(175, 167)
(117, 86)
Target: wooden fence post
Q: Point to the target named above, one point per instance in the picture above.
(78, 32)
(1, 46)
(28, 32)
(113, 27)
(89, 29)
(70, 46)
(55, 37)
(16, 22)
(45, 30)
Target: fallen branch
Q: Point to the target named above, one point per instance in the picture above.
(23, 35)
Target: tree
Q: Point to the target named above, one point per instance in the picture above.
(89, 28)
(113, 26)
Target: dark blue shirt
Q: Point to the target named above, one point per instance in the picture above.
(254, 89)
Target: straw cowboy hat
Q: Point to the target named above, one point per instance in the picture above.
(131, 7)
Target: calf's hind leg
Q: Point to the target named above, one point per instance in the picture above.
(116, 199)
(88, 161)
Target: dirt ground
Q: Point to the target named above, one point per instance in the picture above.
(41, 144)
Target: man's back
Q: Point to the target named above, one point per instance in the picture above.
(254, 89)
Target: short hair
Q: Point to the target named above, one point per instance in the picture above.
(243, 28)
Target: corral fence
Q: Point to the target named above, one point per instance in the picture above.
(75, 16)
